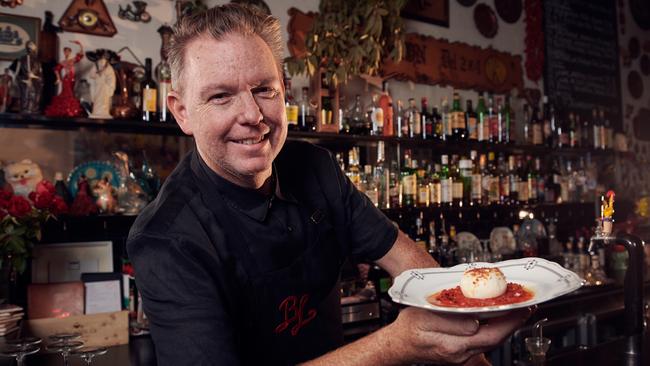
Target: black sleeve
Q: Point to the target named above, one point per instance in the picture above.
(186, 309)
(370, 233)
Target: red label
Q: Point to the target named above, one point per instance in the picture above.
(293, 310)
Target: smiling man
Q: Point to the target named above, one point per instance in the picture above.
(238, 258)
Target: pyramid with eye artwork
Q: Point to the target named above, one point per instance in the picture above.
(88, 16)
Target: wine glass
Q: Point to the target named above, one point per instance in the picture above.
(87, 354)
(20, 348)
(64, 343)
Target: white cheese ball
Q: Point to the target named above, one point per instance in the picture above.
(483, 283)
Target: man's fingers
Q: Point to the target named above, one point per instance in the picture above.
(496, 330)
(458, 325)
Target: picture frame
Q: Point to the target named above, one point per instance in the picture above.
(15, 32)
(428, 11)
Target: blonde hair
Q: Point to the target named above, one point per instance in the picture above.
(219, 22)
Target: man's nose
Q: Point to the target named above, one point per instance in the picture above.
(250, 111)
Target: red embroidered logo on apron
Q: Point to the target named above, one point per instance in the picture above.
(293, 309)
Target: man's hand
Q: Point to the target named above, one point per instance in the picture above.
(422, 336)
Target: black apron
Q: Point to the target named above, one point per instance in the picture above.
(291, 314)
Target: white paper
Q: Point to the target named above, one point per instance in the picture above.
(103, 297)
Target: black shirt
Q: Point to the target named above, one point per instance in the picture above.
(230, 276)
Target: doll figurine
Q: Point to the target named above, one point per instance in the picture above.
(105, 80)
(27, 69)
(83, 203)
(66, 104)
(104, 192)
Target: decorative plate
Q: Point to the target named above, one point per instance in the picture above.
(547, 280)
(486, 21)
(509, 10)
(468, 241)
(502, 241)
(94, 171)
(635, 84)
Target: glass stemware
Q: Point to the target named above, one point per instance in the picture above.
(87, 354)
(20, 348)
(64, 343)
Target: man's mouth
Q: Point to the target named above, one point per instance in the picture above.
(252, 140)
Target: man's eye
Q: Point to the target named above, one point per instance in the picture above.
(266, 92)
(220, 97)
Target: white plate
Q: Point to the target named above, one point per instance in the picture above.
(547, 280)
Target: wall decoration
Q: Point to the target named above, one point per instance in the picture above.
(486, 21)
(534, 40)
(88, 16)
(634, 47)
(11, 3)
(433, 12)
(15, 32)
(429, 60)
(509, 10)
(136, 14)
(634, 84)
(467, 3)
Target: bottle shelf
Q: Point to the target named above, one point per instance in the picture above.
(12, 120)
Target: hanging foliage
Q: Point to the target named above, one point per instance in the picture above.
(351, 38)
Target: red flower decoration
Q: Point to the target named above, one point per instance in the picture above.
(45, 186)
(3, 214)
(42, 200)
(58, 206)
(18, 206)
(5, 196)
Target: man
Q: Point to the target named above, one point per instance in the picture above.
(238, 257)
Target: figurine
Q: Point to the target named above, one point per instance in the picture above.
(138, 14)
(66, 104)
(130, 195)
(28, 73)
(105, 80)
(104, 192)
(83, 204)
(5, 91)
(48, 54)
(23, 176)
(11, 3)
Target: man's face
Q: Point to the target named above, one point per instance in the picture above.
(232, 102)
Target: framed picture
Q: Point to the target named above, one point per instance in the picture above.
(15, 32)
(428, 11)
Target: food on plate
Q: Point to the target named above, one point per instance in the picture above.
(481, 287)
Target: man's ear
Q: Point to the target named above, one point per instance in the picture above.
(178, 109)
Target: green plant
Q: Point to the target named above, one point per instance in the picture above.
(351, 38)
(21, 220)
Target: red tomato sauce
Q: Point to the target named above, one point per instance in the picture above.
(454, 297)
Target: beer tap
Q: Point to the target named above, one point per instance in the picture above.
(633, 315)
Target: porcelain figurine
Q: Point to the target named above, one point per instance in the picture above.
(105, 194)
(27, 69)
(23, 176)
(105, 80)
(66, 104)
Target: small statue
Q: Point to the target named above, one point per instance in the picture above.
(23, 176)
(104, 192)
(6, 82)
(66, 104)
(83, 204)
(105, 81)
(130, 195)
(27, 69)
(137, 14)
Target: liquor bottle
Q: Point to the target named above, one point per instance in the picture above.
(572, 130)
(607, 134)
(549, 129)
(522, 181)
(394, 186)
(376, 117)
(435, 187)
(472, 122)
(61, 189)
(539, 194)
(382, 176)
(504, 180)
(306, 114)
(427, 119)
(354, 171)
(342, 117)
(423, 195)
(481, 113)
(533, 180)
(502, 117)
(492, 177)
(587, 134)
(399, 122)
(596, 128)
(149, 94)
(509, 125)
(386, 104)
(575, 132)
(409, 183)
(485, 181)
(414, 120)
(436, 120)
(420, 238)
(434, 250)
(563, 133)
(371, 187)
(359, 123)
(476, 190)
(456, 182)
(446, 120)
(291, 107)
(537, 126)
(528, 137)
(164, 76)
(446, 197)
(459, 125)
(513, 179)
(465, 166)
(493, 121)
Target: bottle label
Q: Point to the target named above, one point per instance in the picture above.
(522, 191)
(457, 190)
(494, 127)
(472, 128)
(476, 187)
(378, 117)
(532, 189)
(538, 139)
(446, 193)
(292, 114)
(493, 192)
(149, 99)
(504, 186)
(423, 195)
(410, 184)
(436, 193)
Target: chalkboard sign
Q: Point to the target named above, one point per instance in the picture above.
(581, 63)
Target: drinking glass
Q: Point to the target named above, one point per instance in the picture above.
(64, 343)
(87, 354)
(20, 348)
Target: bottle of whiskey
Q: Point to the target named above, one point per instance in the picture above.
(472, 122)
(446, 120)
(414, 120)
(435, 187)
(386, 104)
(482, 117)
(493, 121)
(476, 190)
(291, 107)
(436, 121)
(164, 76)
(408, 182)
(307, 116)
(458, 123)
(446, 196)
(149, 96)
(427, 119)
(382, 177)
